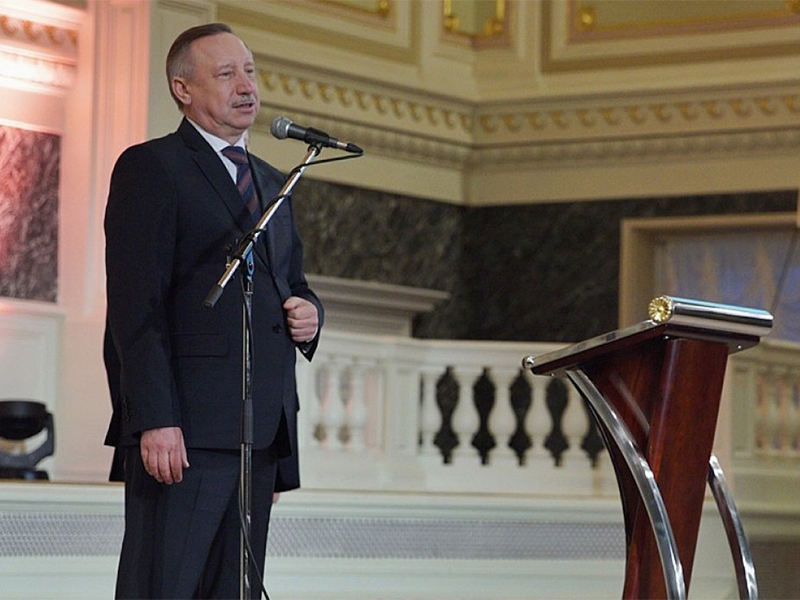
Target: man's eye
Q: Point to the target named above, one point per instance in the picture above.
(226, 74)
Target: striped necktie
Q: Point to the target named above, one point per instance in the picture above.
(244, 179)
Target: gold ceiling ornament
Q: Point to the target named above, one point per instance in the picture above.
(585, 118)
(765, 105)
(660, 112)
(533, 120)
(660, 309)
(449, 20)
(10, 27)
(738, 106)
(344, 96)
(397, 108)
(431, 112)
(266, 79)
(791, 103)
(448, 118)
(286, 84)
(687, 111)
(306, 88)
(32, 30)
(634, 112)
(713, 109)
(559, 119)
(324, 92)
(380, 103)
(586, 18)
(609, 116)
(511, 122)
(487, 124)
(384, 8)
(793, 6)
(493, 26)
(360, 100)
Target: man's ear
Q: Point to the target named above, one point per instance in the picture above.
(181, 91)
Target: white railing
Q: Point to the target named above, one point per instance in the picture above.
(393, 413)
(765, 388)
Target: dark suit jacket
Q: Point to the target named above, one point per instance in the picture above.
(173, 217)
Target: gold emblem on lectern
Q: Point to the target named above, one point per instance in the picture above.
(660, 309)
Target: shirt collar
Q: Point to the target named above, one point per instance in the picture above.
(217, 143)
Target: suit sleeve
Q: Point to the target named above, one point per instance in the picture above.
(140, 225)
(300, 288)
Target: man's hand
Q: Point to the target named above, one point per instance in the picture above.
(164, 454)
(302, 318)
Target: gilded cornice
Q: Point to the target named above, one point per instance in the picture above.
(36, 52)
(605, 118)
(643, 149)
(39, 34)
(381, 141)
(368, 102)
(408, 125)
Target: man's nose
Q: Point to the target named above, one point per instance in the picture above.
(244, 84)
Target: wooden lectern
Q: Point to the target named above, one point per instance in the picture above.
(654, 390)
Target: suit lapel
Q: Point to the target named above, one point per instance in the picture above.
(219, 178)
(263, 187)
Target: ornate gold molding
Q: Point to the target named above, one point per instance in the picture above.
(642, 149)
(37, 33)
(444, 119)
(734, 111)
(495, 32)
(406, 146)
(578, 30)
(35, 52)
(675, 125)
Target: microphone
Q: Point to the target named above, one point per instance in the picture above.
(282, 128)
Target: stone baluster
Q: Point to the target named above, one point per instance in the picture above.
(430, 415)
(465, 415)
(356, 411)
(760, 413)
(574, 424)
(502, 422)
(792, 400)
(308, 418)
(538, 421)
(332, 410)
(772, 418)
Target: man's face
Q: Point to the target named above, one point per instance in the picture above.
(222, 93)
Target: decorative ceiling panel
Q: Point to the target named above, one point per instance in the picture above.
(387, 31)
(585, 35)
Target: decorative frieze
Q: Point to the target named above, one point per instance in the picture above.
(644, 148)
(394, 122)
(361, 101)
(37, 52)
(689, 113)
(37, 33)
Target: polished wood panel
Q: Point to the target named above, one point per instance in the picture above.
(666, 389)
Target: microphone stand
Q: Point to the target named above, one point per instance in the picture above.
(243, 255)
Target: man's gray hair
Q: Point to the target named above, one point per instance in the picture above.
(179, 62)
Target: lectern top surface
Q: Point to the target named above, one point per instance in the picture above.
(738, 327)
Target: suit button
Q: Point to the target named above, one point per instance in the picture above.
(277, 328)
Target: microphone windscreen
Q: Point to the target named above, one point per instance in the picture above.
(280, 127)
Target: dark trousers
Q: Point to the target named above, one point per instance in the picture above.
(182, 540)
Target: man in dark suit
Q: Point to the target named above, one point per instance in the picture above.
(177, 207)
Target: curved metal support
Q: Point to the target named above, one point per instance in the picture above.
(742, 559)
(645, 482)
